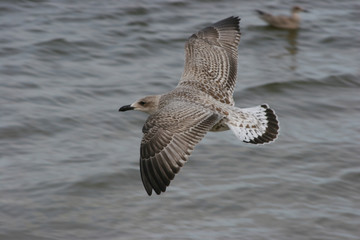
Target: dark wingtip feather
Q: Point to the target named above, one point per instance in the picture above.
(229, 22)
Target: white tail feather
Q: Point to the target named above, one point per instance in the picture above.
(256, 125)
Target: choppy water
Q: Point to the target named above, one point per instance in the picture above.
(69, 161)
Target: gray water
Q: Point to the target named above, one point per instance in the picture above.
(69, 160)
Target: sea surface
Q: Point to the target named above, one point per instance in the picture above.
(69, 161)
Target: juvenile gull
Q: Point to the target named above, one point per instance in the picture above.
(284, 22)
(201, 102)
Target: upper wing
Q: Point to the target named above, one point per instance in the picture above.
(211, 59)
(169, 137)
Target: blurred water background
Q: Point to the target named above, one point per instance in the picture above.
(69, 160)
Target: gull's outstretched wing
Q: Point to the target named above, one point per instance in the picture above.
(169, 137)
(211, 60)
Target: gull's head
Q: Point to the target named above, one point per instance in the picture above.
(297, 9)
(148, 104)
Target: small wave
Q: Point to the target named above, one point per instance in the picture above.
(37, 126)
(9, 51)
(136, 11)
(176, 4)
(138, 23)
(101, 182)
(339, 188)
(20, 131)
(107, 16)
(61, 46)
(351, 176)
(19, 85)
(340, 41)
(13, 70)
(7, 9)
(345, 80)
(63, 42)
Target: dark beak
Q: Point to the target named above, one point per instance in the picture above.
(126, 108)
(304, 10)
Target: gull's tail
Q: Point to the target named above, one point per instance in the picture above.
(255, 125)
(264, 15)
(260, 12)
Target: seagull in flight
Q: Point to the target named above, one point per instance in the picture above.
(201, 102)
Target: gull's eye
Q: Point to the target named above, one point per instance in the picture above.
(142, 103)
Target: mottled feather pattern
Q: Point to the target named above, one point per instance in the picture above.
(211, 59)
(168, 141)
(202, 102)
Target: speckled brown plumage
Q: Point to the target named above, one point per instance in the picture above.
(202, 102)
